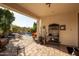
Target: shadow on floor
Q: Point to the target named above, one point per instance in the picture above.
(59, 47)
(10, 50)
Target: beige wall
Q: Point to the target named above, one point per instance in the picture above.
(68, 36)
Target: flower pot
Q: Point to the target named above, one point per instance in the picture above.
(3, 42)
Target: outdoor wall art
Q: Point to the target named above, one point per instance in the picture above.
(62, 27)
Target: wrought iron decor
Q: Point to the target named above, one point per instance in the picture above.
(54, 31)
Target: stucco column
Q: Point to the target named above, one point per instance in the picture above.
(38, 27)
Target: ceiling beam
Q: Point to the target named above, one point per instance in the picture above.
(20, 9)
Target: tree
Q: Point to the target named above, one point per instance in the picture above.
(6, 19)
(34, 27)
(19, 29)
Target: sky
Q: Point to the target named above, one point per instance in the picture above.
(22, 20)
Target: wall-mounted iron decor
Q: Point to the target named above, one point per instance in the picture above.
(62, 27)
(54, 32)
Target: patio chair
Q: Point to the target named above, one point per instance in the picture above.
(21, 49)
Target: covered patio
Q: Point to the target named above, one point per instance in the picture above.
(65, 15)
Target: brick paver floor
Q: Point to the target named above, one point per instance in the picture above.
(34, 49)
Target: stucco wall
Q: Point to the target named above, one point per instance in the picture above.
(68, 36)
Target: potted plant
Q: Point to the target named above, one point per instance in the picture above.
(34, 32)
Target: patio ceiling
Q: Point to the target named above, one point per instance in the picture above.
(38, 10)
(43, 10)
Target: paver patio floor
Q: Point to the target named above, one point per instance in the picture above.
(34, 49)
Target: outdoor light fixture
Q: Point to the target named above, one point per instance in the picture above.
(49, 4)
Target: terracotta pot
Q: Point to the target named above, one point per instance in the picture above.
(34, 35)
(3, 42)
